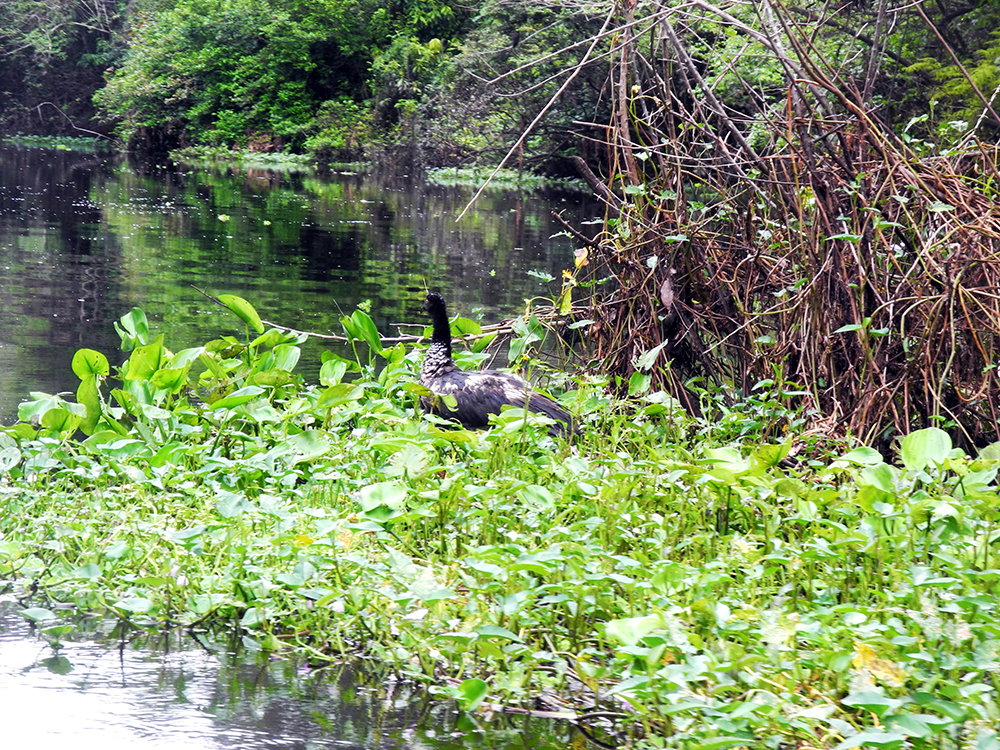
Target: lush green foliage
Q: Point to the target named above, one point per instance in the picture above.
(263, 74)
(452, 84)
(711, 592)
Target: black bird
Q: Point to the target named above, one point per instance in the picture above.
(477, 394)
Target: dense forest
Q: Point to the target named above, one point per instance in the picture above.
(451, 83)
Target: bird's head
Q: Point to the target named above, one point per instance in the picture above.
(434, 303)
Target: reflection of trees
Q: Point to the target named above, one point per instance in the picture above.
(83, 239)
(58, 269)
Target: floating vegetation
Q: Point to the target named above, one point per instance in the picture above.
(60, 142)
(677, 582)
(276, 161)
(505, 178)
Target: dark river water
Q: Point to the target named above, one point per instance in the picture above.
(83, 239)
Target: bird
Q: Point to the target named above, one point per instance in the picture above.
(477, 393)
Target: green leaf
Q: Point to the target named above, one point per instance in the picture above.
(136, 604)
(639, 383)
(338, 394)
(924, 447)
(332, 372)
(88, 572)
(286, 357)
(647, 359)
(849, 327)
(869, 700)
(308, 445)
(243, 310)
(362, 327)
(170, 379)
(465, 327)
(481, 344)
(38, 614)
(631, 630)
(61, 420)
(133, 329)
(236, 398)
(145, 360)
(9, 458)
(389, 494)
(539, 496)
(495, 631)
(87, 363)
(232, 504)
(721, 743)
(87, 394)
(470, 693)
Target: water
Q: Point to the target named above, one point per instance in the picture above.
(85, 237)
(172, 692)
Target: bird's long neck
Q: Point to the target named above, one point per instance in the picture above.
(442, 332)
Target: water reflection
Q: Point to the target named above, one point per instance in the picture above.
(168, 692)
(85, 237)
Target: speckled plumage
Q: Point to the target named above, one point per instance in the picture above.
(477, 394)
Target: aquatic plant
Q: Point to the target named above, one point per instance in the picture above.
(684, 585)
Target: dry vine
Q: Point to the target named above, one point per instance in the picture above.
(831, 259)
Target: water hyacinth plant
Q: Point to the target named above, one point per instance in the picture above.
(674, 585)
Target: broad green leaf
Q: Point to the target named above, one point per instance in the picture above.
(924, 447)
(9, 458)
(338, 394)
(390, 494)
(61, 420)
(482, 343)
(465, 327)
(38, 614)
(171, 379)
(89, 572)
(155, 412)
(630, 684)
(236, 398)
(87, 394)
(631, 630)
(243, 310)
(871, 700)
(272, 378)
(863, 456)
(332, 372)
(495, 631)
(470, 693)
(309, 444)
(136, 604)
(722, 743)
(133, 329)
(647, 359)
(366, 330)
(537, 495)
(286, 357)
(87, 363)
(639, 383)
(145, 360)
(40, 403)
(232, 504)
(184, 357)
